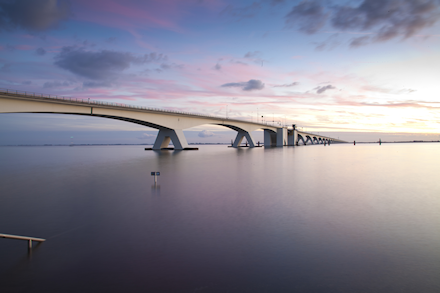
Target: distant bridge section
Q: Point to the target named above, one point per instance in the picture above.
(169, 123)
(306, 137)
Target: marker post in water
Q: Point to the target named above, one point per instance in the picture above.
(155, 174)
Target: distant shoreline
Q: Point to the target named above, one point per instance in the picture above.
(406, 141)
(103, 144)
(219, 143)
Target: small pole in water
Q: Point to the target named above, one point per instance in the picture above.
(354, 142)
(155, 174)
(380, 142)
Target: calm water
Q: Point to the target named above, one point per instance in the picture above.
(339, 218)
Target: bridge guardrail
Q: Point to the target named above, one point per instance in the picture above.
(93, 102)
(27, 238)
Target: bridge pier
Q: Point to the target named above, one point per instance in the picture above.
(292, 137)
(239, 138)
(166, 135)
(275, 139)
(270, 138)
(281, 137)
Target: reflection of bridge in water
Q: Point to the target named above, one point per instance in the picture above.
(169, 123)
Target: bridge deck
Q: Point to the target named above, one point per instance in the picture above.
(117, 106)
(169, 123)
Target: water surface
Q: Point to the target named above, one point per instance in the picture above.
(339, 218)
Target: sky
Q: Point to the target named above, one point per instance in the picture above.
(358, 70)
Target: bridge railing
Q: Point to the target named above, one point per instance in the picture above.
(27, 238)
(93, 102)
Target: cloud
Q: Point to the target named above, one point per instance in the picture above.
(384, 20)
(250, 85)
(407, 91)
(321, 89)
(93, 65)
(55, 84)
(391, 18)
(101, 65)
(40, 51)
(287, 84)
(308, 15)
(252, 55)
(388, 90)
(217, 67)
(94, 84)
(26, 82)
(110, 40)
(151, 57)
(359, 41)
(147, 136)
(167, 66)
(205, 133)
(238, 62)
(241, 13)
(276, 2)
(87, 43)
(255, 56)
(329, 44)
(33, 15)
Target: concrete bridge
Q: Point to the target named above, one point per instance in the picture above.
(169, 123)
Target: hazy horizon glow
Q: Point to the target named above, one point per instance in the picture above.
(342, 66)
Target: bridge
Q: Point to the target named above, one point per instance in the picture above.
(169, 123)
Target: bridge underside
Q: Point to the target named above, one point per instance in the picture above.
(169, 124)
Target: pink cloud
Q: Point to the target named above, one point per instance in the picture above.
(24, 47)
(132, 14)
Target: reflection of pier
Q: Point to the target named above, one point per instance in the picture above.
(169, 123)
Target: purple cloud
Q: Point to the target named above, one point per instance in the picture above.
(386, 19)
(321, 89)
(33, 15)
(250, 85)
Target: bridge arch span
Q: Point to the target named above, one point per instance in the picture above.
(300, 137)
(169, 123)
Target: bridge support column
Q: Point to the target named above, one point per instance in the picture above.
(281, 137)
(166, 135)
(270, 138)
(239, 139)
(292, 137)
